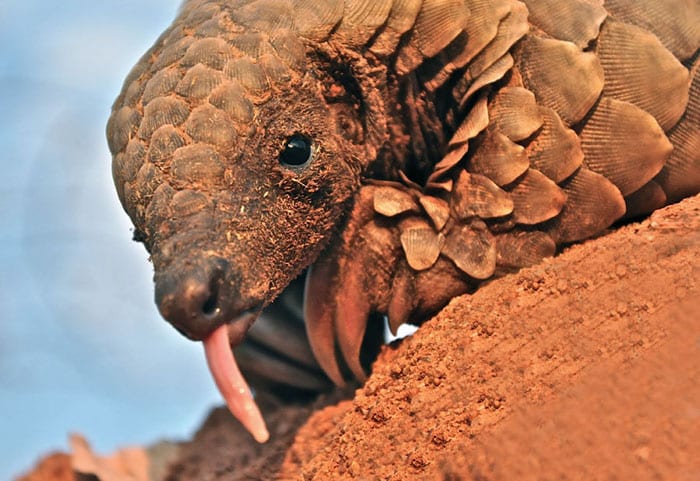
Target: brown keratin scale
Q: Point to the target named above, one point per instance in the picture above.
(302, 170)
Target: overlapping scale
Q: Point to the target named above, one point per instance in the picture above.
(561, 76)
(164, 142)
(680, 176)
(474, 123)
(231, 98)
(199, 81)
(485, 18)
(556, 150)
(645, 200)
(361, 20)
(251, 44)
(593, 203)
(265, 15)
(401, 18)
(473, 250)
(475, 195)
(162, 111)
(161, 84)
(212, 52)
(248, 74)
(638, 69)
(499, 158)
(515, 250)
(390, 201)
(212, 126)
(536, 198)
(315, 19)
(515, 113)
(437, 209)
(491, 75)
(675, 22)
(512, 27)
(438, 23)
(624, 143)
(421, 243)
(574, 20)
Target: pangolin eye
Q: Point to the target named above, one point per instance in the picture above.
(297, 151)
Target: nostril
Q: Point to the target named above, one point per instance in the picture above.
(211, 307)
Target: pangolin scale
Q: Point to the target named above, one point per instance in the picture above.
(337, 163)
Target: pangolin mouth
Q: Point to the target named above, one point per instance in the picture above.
(228, 378)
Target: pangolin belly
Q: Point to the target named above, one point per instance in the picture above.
(324, 166)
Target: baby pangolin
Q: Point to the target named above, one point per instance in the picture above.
(331, 163)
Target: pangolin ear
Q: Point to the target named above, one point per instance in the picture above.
(343, 95)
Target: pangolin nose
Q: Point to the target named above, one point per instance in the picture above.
(195, 299)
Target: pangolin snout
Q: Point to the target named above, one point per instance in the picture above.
(200, 296)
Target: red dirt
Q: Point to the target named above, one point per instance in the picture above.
(584, 367)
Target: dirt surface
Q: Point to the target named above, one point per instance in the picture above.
(584, 367)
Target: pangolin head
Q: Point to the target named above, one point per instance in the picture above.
(235, 156)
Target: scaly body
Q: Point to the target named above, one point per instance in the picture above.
(405, 150)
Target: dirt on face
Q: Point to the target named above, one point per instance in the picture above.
(586, 366)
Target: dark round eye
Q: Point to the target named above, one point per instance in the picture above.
(297, 151)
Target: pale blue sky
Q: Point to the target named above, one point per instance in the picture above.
(82, 347)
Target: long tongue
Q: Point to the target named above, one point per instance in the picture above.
(231, 384)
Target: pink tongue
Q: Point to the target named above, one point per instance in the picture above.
(231, 384)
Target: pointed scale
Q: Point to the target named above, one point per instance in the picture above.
(574, 20)
(491, 75)
(390, 201)
(315, 19)
(536, 198)
(624, 143)
(499, 158)
(645, 200)
(519, 249)
(475, 195)
(511, 29)
(593, 203)
(437, 209)
(475, 122)
(556, 150)
(473, 250)
(401, 18)
(675, 22)
(438, 23)
(638, 69)
(561, 76)
(421, 243)
(485, 17)
(361, 20)
(680, 176)
(514, 113)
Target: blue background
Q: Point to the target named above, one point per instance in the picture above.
(82, 347)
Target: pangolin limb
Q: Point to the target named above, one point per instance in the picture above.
(396, 153)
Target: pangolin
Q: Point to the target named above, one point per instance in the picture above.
(333, 164)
